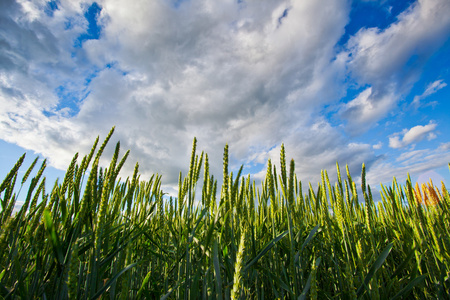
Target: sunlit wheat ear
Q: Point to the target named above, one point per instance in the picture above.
(339, 178)
(238, 268)
(330, 191)
(437, 242)
(225, 171)
(360, 252)
(339, 209)
(323, 189)
(445, 194)
(348, 202)
(433, 194)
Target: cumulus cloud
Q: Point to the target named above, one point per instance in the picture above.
(413, 135)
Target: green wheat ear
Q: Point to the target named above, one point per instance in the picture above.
(11, 175)
(238, 269)
(283, 166)
(191, 173)
(105, 142)
(27, 173)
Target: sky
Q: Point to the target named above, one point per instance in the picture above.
(341, 81)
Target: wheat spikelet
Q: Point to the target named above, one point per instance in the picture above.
(6, 214)
(102, 147)
(283, 166)
(27, 173)
(41, 188)
(238, 269)
(11, 174)
(68, 178)
(291, 185)
(339, 209)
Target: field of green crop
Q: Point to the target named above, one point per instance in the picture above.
(94, 236)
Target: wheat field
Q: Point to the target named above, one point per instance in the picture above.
(96, 236)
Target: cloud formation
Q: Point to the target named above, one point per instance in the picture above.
(251, 74)
(413, 135)
(391, 60)
(410, 161)
(431, 89)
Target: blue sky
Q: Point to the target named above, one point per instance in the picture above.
(337, 81)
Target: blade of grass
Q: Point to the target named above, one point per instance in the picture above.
(376, 265)
(407, 289)
(112, 280)
(264, 250)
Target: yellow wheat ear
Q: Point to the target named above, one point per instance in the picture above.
(432, 193)
(427, 193)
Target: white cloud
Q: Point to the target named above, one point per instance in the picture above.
(390, 60)
(366, 109)
(413, 135)
(412, 162)
(379, 56)
(444, 146)
(377, 146)
(434, 87)
(431, 89)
